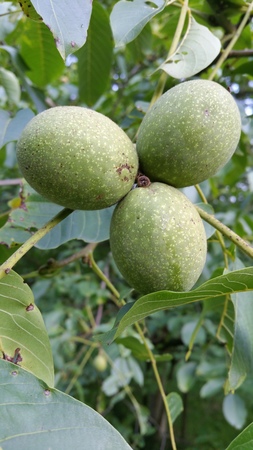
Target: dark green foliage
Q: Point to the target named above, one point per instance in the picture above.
(201, 345)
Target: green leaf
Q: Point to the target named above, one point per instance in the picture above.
(35, 211)
(11, 129)
(128, 18)
(4, 123)
(137, 348)
(34, 416)
(197, 51)
(232, 282)
(186, 376)
(175, 404)
(243, 69)
(68, 21)
(224, 308)
(6, 24)
(38, 50)
(192, 332)
(36, 96)
(212, 387)
(10, 83)
(138, 49)
(234, 410)
(244, 441)
(242, 352)
(95, 57)
(22, 327)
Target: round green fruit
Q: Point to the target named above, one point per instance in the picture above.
(100, 363)
(158, 239)
(77, 158)
(189, 133)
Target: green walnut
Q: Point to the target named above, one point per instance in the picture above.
(158, 239)
(189, 134)
(100, 363)
(77, 158)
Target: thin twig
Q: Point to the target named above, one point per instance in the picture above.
(226, 231)
(6, 267)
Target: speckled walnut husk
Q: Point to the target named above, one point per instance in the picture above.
(189, 133)
(77, 158)
(158, 239)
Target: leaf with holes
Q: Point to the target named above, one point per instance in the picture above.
(197, 51)
(68, 21)
(128, 18)
(44, 418)
(23, 336)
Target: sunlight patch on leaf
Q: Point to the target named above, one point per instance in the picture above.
(68, 21)
(198, 49)
(128, 18)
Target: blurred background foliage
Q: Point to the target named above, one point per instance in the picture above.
(192, 342)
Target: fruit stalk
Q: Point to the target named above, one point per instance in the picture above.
(163, 78)
(116, 293)
(6, 267)
(226, 231)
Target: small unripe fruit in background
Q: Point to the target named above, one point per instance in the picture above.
(189, 134)
(100, 363)
(158, 239)
(77, 158)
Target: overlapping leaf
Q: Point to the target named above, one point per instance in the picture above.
(95, 57)
(198, 49)
(11, 128)
(34, 93)
(242, 350)
(35, 211)
(232, 282)
(38, 50)
(10, 83)
(67, 20)
(44, 418)
(22, 330)
(128, 18)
